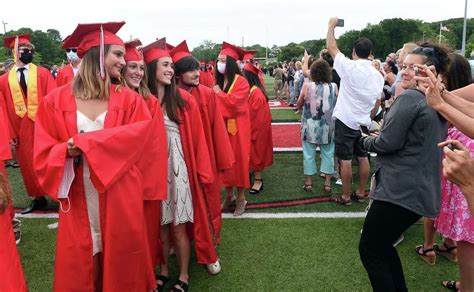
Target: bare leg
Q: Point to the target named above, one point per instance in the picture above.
(165, 239)
(346, 176)
(257, 182)
(183, 250)
(240, 194)
(429, 234)
(363, 173)
(327, 183)
(97, 272)
(229, 193)
(466, 265)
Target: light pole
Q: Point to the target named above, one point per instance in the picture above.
(463, 48)
(4, 27)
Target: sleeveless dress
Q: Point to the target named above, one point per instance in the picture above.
(455, 220)
(84, 124)
(178, 208)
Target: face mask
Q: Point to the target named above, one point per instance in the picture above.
(221, 67)
(26, 58)
(72, 56)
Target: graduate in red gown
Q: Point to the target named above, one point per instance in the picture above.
(206, 77)
(232, 91)
(12, 278)
(248, 58)
(188, 168)
(220, 151)
(67, 73)
(261, 154)
(23, 89)
(133, 75)
(11, 271)
(97, 175)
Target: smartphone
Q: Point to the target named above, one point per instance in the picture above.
(340, 23)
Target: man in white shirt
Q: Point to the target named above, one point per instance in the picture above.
(361, 86)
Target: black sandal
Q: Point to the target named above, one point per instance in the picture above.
(447, 252)
(358, 197)
(422, 252)
(256, 191)
(451, 285)
(163, 280)
(341, 201)
(183, 287)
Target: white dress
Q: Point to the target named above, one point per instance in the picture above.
(92, 196)
(178, 207)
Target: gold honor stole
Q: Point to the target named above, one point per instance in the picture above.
(17, 95)
(232, 123)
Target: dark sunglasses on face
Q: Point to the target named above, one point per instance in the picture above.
(71, 49)
(26, 51)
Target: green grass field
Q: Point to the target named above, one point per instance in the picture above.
(267, 255)
(264, 254)
(285, 115)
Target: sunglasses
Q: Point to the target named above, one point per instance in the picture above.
(71, 49)
(424, 51)
(26, 51)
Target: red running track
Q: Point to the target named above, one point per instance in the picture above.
(286, 135)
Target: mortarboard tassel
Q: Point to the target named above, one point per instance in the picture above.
(102, 54)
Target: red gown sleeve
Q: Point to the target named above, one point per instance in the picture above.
(125, 142)
(236, 101)
(222, 148)
(5, 152)
(50, 148)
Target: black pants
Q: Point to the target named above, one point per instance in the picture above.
(384, 223)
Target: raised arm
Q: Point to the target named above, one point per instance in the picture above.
(331, 44)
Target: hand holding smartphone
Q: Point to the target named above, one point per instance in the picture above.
(340, 23)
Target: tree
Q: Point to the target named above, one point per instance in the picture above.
(291, 51)
(207, 50)
(274, 51)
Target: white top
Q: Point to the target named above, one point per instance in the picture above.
(361, 86)
(92, 196)
(25, 72)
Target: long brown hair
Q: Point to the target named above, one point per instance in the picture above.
(143, 89)
(172, 100)
(87, 84)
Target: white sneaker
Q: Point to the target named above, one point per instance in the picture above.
(339, 182)
(214, 268)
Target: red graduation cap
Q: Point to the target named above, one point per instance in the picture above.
(169, 47)
(232, 51)
(131, 51)
(155, 51)
(22, 39)
(249, 55)
(213, 63)
(86, 36)
(65, 42)
(180, 51)
(252, 69)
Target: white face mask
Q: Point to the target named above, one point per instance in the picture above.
(221, 67)
(72, 56)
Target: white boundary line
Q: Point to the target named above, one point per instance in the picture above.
(286, 123)
(326, 215)
(287, 149)
(249, 215)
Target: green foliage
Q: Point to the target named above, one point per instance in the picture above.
(207, 51)
(47, 46)
(291, 51)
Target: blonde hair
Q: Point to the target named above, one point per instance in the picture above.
(88, 84)
(376, 62)
(298, 65)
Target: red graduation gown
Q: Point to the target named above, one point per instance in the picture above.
(234, 105)
(206, 78)
(23, 129)
(12, 278)
(113, 155)
(152, 208)
(261, 154)
(65, 75)
(220, 151)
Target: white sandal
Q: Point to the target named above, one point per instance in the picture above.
(240, 207)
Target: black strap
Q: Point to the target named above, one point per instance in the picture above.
(23, 81)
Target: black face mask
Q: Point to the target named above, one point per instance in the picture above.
(26, 58)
